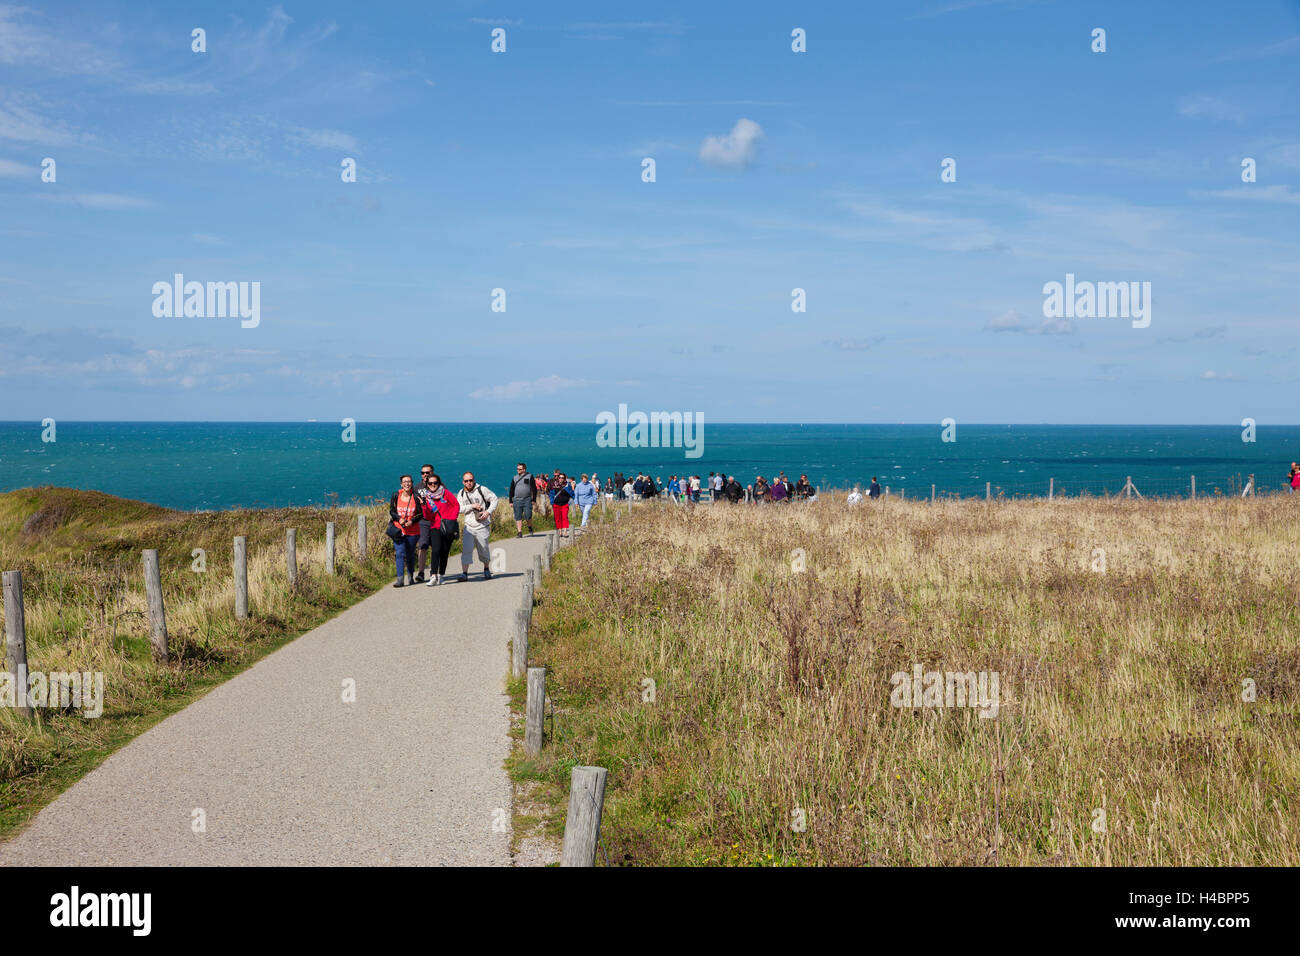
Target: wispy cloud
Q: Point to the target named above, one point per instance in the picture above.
(957, 6)
(1286, 47)
(1014, 321)
(512, 391)
(654, 26)
(9, 168)
(22, 124)
(854, 345)
(324, 138)
(1207, 332)
(737, 149)
(1253, 193)
(1207, 106)
(97, 200)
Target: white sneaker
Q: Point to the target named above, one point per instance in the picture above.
(434, 580)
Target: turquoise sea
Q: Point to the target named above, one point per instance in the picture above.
(213, 465)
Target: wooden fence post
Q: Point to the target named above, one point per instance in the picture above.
(1193, 486)
(291, 555)
(519, 646)
(582, 825)
(537, 572)
(1051, 488)
(16, 639)
(536, 711)
(988, 490)
(932, 494)
(157, 616)
(526, 600)
(241, 578)
(361, 537)
(329, 547)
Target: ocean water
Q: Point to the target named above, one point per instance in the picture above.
(213, 465)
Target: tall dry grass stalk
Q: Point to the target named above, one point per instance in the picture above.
(1122, 735)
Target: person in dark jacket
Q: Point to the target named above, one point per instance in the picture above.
(522, 494)
(733, 490)
(875, 488)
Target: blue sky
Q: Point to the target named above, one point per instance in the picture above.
(775, 170)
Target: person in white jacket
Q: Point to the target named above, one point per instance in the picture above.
(476, 506)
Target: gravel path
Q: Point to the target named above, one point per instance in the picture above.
(289, 774)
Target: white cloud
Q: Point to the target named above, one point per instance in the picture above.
(737, 149)
(539, 386)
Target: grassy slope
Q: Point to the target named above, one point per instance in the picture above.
(1120, 690)
(85, 610)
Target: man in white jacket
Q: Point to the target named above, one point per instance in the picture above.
(476, 507)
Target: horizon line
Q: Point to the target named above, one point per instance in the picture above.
(366, 421)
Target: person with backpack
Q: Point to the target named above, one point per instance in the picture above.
(522, 493)
(561, 495)
(476, 504)
(427, 542)
(404, 529)
(442, 509)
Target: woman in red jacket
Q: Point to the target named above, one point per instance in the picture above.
(442, 509)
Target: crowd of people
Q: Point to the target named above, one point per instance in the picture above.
(719, 486)
(427, 517)
(425, 520)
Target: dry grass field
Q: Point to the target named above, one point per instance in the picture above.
(1148, 697)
